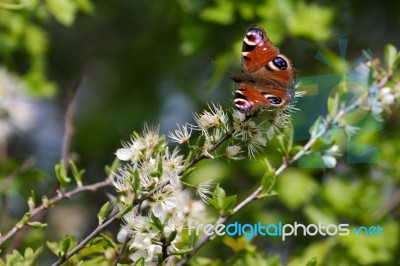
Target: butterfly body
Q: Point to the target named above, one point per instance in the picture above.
(267, 78)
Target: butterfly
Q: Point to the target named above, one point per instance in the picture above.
(267, 78)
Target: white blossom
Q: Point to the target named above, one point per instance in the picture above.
(172, 164)
(215, 117)
(329, 161)
(181, 134)
(130, 151)
(386, 96)
(121, 180)
(151, 137)
(175, 223)
(204, 190)
(255, 144)
(232, 152)
(146, 248)
(122, 234)
(165, 202)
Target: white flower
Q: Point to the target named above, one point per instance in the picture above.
(238, 116)
(146, 248)
(122, 234)
(172, 167)
(351, 130)
(130, 151)
(231, 152)
(386, 96)
(151, 137)
(204, 189)
(121, 180)
(182, 134)
(282, 117)
(191, 208)
(165, 203)
(175, 223)
(208, 119)
(138, 254)
(329, 161)
(255, 144)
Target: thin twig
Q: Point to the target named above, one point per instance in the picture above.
(65, 150)
(51, 202)
(69, 124)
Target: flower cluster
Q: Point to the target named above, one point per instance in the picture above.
(153, 171)
(154, 228)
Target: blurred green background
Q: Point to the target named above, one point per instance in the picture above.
(161, 61)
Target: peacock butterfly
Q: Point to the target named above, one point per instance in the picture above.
(267, 78)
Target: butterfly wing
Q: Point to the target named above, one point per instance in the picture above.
(268, 76)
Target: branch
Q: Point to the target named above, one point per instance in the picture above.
(60, 196)
(69, 124)
(283, 167)
(65, 150)
(116, 216)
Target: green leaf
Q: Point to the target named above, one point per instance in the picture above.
(103, 213)
(45, 201)
(268, 181)
(218, 197)
(76, 173)
(63, 10)
(156, 222)
(37, 224)
(61, 174)
(65, 243)
(108, 241)
(201, 140)
(228, 204)
(221, 202)
(171, 237)
(31, 200)
(14, 259)
(390, 56)
(188, 171)
(125, 211)
(136, 182)
(54, 247)
(31, 256)
(181, 251)
(26, 218)
(188, 158)
(238, 244)
(139, 262)
(114, 166)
